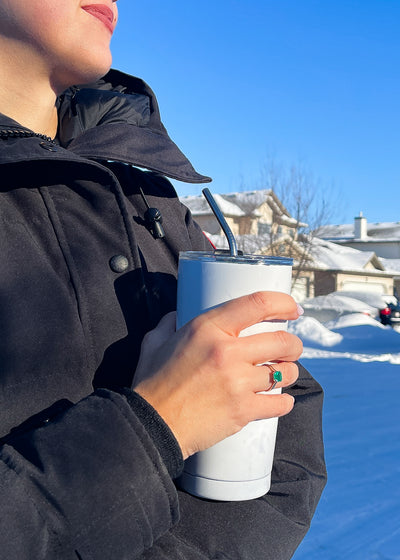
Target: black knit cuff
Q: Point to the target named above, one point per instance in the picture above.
(158, 430)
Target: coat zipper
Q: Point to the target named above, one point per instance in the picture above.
(21, 133)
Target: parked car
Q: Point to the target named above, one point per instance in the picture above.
(390, 315)
(387, 306)
(334, 305)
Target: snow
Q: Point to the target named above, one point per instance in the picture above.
(243, 203)
(384, 231)
(249, 199)
(375, 299)
(392, 265)
(308, 328)
(198, 205)
(334, 305)
(357, 361)
(331, 256)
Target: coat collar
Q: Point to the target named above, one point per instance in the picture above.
(116, 118)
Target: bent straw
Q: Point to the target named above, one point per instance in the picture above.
(222, 222)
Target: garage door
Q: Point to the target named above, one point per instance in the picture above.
(352, 286)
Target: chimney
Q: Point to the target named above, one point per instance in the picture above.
(360, 227)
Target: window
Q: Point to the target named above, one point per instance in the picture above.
(263, 229)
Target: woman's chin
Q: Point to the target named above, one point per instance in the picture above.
(83, 74)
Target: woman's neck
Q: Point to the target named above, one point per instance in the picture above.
(35, 116)
(26, 95)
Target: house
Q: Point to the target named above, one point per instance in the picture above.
(340, 268)
(383, 238)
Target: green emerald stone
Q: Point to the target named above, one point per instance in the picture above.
(277, 376)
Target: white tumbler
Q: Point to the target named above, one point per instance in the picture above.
(239, 467)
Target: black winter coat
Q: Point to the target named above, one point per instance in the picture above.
(86, 465)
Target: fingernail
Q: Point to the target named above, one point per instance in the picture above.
(300, 310)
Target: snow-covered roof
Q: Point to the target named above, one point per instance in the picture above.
(323, 255)
(331, 256)
(241, 204)
(392, 265)
(199, 206)
(377, 232)
(249, 201)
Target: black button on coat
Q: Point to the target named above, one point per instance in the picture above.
(86, 466)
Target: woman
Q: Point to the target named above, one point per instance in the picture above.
(87, 463)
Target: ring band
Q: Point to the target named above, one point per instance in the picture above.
(276, 377)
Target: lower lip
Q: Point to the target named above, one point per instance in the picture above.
(100, 16)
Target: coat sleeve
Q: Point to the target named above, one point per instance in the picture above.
(88, 483)
(271, 527)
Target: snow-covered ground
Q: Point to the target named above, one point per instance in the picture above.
(357, 361)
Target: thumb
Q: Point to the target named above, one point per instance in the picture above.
(162, 332)
(151, 343)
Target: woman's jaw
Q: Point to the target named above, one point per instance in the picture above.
(65, 41)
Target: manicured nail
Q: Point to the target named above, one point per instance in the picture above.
(300, 310)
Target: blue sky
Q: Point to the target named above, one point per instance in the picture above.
(315, 82)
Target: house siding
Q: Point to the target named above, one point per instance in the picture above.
(385, 249)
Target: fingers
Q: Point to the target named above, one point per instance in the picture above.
(204, 379)
(240, 313)
(270, 347)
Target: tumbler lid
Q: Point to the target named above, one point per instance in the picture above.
(226, 257)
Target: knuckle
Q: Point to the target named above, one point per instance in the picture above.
(217, 355)
(260, 299)
(288, 343)
(196, 324)
(298, 346)
(283, 340)
(221, 356)
(197, 328)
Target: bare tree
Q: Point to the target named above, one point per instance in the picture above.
(311, 204)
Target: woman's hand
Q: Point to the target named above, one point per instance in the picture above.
(204, 380)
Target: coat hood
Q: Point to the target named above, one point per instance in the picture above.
(117, 118)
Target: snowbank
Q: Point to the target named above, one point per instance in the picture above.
(356, 360)
(311, 330)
